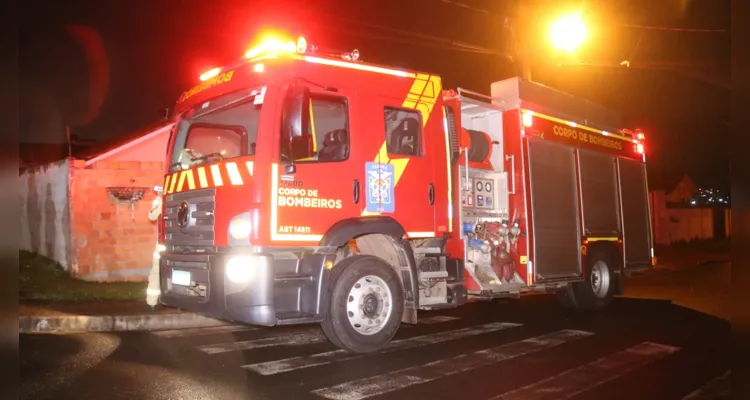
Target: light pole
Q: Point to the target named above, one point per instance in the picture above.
(566, 34)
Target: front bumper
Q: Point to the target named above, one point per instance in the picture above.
(213, 294)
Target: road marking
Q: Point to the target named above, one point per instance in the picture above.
(574, 381)
(301, 362)
(395, 380)
(203, 331)
(296, 339)
(436, 319)
(718, 388)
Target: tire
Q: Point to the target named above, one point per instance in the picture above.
(566, 297)
(598, 290)
(599, 287)
(369, 286)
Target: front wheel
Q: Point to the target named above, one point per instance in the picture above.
(365, 306)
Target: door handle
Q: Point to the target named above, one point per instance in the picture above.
(356, 191)
(432, 194)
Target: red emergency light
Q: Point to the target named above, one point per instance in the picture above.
(210, 74)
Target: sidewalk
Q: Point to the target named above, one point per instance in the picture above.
(679, 258)
(102, 316)
(702, 286)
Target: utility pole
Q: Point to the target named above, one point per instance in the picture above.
(518, 44)
(70, 144)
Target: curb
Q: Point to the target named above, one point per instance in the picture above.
(113, 323)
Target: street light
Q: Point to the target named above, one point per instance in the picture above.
(568, 33)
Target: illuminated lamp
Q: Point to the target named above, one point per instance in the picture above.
(301, 45)
(271, 47)
(639, 148)
(210, 74)
(527, 118)
(259, 68)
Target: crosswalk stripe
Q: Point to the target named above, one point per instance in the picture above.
(574, 381)
(400, 379)
(172, 333)
(296, 363)
(436, 319)
(296, 339)
(718, 388)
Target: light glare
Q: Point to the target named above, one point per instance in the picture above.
(568, 33)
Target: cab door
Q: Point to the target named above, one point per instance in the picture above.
(318, 183)
(400, 183)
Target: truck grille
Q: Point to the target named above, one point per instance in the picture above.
(198, 229)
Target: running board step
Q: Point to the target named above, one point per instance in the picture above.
(295, 317)
(293, 280)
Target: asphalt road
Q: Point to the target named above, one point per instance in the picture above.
(516, 349)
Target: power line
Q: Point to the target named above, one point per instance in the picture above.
(656, 28)
(667, 29)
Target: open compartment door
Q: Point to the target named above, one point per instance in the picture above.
(636, 219)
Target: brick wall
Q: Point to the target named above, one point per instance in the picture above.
(108, 244)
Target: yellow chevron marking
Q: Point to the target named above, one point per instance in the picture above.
(216, 175)
(173, 182)
(190, 179)
(166, 184)
(421, 97)
(234, 174)
(250, 167)
(202, 179)
(182, 180)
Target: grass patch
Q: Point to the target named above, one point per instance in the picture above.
(41, 278)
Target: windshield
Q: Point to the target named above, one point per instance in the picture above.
(217, 129)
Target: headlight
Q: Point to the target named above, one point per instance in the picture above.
(239, 269)
(241, 226)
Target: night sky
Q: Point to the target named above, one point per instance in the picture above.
(106, 68)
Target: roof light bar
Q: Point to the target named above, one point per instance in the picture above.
(210, 74)
(361, 67)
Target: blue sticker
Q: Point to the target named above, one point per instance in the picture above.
(379, 193)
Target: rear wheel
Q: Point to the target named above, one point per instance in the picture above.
(365, 306)
(597, 290)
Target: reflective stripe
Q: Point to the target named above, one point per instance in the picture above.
(234, 174)
(250, 165)
(202, 179)
(420, 234)
(182, 180)
(166, 183)
(174, 181)
(361, 67)
(190, 179)
(448, 167)
(216, 175)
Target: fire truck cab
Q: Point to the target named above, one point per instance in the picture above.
(309, 187)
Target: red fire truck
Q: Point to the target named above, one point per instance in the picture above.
(305, 186)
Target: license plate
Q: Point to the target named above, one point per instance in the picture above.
(181, 278)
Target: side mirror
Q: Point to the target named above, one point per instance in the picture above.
(298, 112)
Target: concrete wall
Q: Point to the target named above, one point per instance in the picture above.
(672, 225)
(45, 213)
(108, 244)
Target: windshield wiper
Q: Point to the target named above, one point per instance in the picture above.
(207, 156)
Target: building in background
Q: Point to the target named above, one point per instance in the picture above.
(89, 212)
(682, 211)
